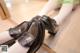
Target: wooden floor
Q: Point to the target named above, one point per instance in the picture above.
(67, 39)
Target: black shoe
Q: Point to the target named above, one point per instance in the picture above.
(50, 25)
(16, 32)
(33, 38)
